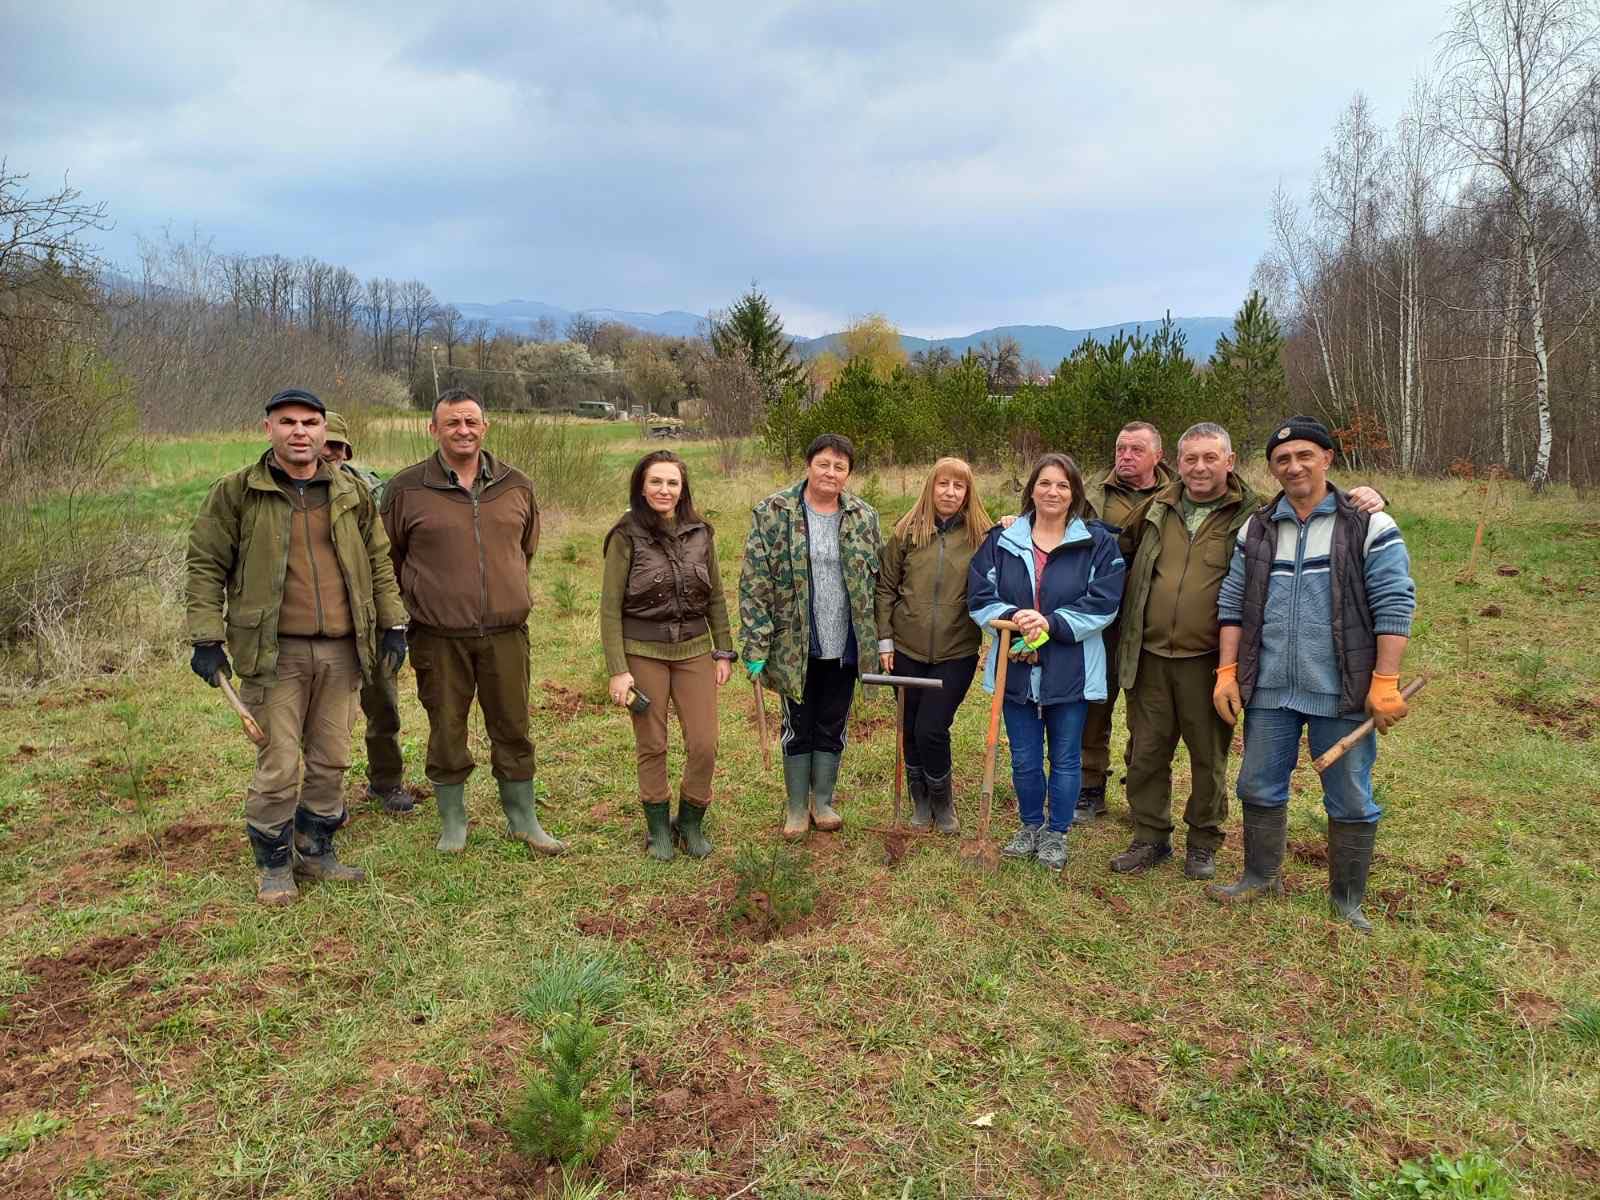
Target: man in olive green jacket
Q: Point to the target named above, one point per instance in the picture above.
(380, 695)
(1137, 473)
(288, 564)
(1178, 544)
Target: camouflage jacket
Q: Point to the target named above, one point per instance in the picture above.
(775, 586)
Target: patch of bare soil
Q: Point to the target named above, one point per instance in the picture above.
(73, 699)
(714, 1112)
(1575, 718)
(1314, 854)
(59, 1054)
(704, 920)
(865, 725)
(566, 703)
(23, 753)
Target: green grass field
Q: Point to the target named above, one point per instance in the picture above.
(925, 1031)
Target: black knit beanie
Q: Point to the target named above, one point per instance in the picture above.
(1300, 429)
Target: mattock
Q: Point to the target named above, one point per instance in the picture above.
(894, 846)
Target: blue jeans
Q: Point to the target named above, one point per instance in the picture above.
(1272, 748)
(1026, 731)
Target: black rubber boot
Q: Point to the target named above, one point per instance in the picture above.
(396, 801)
(274, 854)
(921, 809)
(1091, 804)
(797, 785)
(658, 830)
(942, 799)
(313, 849)
(824, 775)
(1349, 862)
(687, 826)
(1266, 835)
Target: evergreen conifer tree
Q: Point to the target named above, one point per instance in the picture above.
(1248, 387)
(752, 325)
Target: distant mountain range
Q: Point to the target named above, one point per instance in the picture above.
(1047, 343)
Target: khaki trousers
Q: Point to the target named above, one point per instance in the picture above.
(1170, 700)
(450, 671)
(307, 715)
(692, 685)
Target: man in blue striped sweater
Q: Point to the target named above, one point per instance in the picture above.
(1315, 614)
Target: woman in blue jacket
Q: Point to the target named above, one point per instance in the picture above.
(1053, 573)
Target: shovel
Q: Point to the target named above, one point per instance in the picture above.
(251, 729)
(980, 853)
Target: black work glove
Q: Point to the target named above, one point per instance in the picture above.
(393, 650)
(208, 659)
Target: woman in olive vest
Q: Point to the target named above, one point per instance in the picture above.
(924, 628)
(664, 629)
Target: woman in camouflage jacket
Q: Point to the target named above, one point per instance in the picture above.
(806, 595)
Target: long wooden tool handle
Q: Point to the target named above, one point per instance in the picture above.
(761, 724)
(899, 751)
(251, 729)
(1009, 626)
(991, 746)
(1337, 751)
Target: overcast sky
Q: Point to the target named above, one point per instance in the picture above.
(954, 166)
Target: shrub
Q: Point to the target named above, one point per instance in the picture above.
(563, 1114)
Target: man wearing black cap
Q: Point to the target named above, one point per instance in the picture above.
(1315, 613)
(380, 695)
(288, 565)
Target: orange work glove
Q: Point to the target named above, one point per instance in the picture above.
(1385, 704)
(1225, 696)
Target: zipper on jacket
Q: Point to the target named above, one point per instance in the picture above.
(1294, 603)
(483, 568)
(933, 614)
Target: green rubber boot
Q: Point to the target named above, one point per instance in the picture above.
(452, 801)
(658, 830)
(695, 844)
(824, 775)
(522, 823)
(797, 785)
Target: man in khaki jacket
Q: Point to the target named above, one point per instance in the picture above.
(462, 528)
(289, 566)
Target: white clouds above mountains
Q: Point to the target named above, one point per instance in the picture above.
(954, 165)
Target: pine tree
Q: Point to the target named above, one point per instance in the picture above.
(752, 325)
(1248, 386)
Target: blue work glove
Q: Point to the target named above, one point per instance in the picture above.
(755, 667)
(209, 658)
(393, 650)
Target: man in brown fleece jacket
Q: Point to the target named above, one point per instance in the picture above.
(462, 528)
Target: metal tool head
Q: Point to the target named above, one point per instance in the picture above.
(901, 681)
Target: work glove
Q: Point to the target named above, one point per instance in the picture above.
(209, 658)
(1225, 696)
(754, 666)
(393, 650)
(1385, 704)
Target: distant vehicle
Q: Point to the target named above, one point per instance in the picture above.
(601, 409)
(657, 426)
